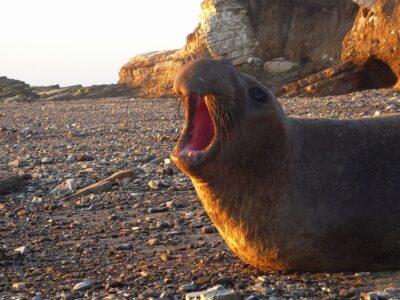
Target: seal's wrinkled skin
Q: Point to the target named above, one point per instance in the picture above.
(289, 193)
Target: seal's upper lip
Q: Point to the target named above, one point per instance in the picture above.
(198, 135)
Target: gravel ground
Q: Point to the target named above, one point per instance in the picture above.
(136, 240)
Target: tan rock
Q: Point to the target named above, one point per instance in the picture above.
(153, 242)
(96, 188)
(15, 163)
(122, 175)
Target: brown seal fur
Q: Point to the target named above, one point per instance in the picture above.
(289, 193)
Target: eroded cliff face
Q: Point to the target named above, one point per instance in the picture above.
(278, 41)
(152, 74)
(224, 30)
(301, 30)
(374, 43)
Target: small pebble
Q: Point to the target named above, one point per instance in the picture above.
(153, 210)
(164, 257)
(252, 297)
(82, 286)
(154, 184)
(21, 250)
(19, 286)
(153, 242)
(170, 204)
(123, 247)
(161, 224)
(27, 130)
(208, 229)
(188, 287)
(71, 158)
(15, 163)
(36, 200)
(84, 157)
(46, 160)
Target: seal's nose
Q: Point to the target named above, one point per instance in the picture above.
(196, 77)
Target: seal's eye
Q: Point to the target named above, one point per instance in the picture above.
(258, 94)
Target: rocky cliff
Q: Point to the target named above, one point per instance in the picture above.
(374, 43)
(278, 41)
(370, 55)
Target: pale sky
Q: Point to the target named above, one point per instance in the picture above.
(67, 42)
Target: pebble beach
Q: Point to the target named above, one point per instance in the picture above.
(146, 235)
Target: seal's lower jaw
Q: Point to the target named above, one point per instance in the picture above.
(198, 138)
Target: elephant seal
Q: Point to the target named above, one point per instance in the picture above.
(285, 193)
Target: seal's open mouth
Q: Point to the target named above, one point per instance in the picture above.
(201, 127)
(199, 131)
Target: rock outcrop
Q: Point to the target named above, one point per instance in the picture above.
(15, 90)
(278, 41)
(374, 43)
(366, 3)
(153, 73)
(336, 80)
(54, 93)
(12, 90)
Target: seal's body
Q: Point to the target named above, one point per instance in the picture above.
(289, 193)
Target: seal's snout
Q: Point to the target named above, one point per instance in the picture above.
(205, 87)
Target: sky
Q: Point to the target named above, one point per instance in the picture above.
(68, 42)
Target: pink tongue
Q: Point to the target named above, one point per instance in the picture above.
(202, 127)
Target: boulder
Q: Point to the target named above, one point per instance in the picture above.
(279, 65)
(64, 189)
